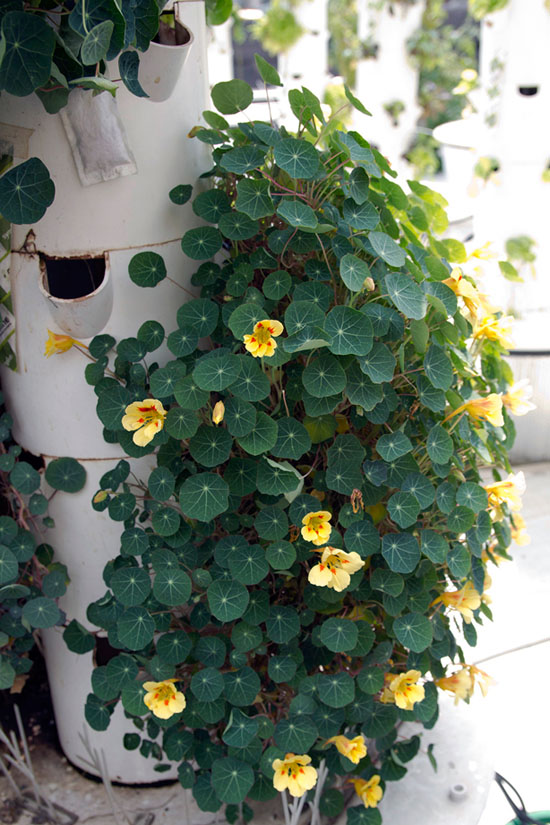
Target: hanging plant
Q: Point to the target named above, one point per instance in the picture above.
(295, 572)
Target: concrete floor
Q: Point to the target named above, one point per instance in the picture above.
(508, 731)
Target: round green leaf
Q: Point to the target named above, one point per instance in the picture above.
(362, 537)
(25, 478)
(188, 394)
(434, 546)
(254, 199)
(296, 735)
(204, 496)
(281, 555)
(339, 635)
(472, 496)
(414, 631)
(439, 445)
(237, 226)
(201, 243)
(370, 680)
(216, 370)
(403, 509)
(388, 250)
(96, 43)
(353, 272)
(161, 483)
(378, 364)
(207, 684)
(301, 315)
(297, 213)
(182, 342)
(180, 424)
(262, 437)
(230, 97)
(282, 624)
(241, 686)
(324, 377)
(165, 521)
(27, 190)
(134, 542)
(245, 637)
(200, 315)
(211, 205)
(271, 523)
(251, 384)
(297, 157)
(438, 367)
(227, 600)
(240, 730)
(174, 648)
(9, 568)
(28, 46)
(240, 417)
(41, 612)
(281, 668)
(66, 474)
(393, 446)
(172, 587)
(147, 269)
(180, 194)
(421, 488)
(131, 585)
(135, 628)
(243, 159)
(232, 778)
(248, 564)
(360, 215)
(361, 390)
(336, 690)
(460, 519)
(349, 330)
(244, 318)
(292, 439)
(210, 446)
(405, 292)
(401, 551)
(277, 285)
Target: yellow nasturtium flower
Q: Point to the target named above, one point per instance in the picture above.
(368, 790)
(163, 699)
(465, 600)
(464, 289)
(459, 683)
(335, 568)
(496, 329)
(146, 418)
(509, 491)
(517, 398)
(518, 528)
(294, 773)
(57, 343)
(262, 341)
(353, 749)
(482, 409)
(401, 689)
(316, 527)
(218, 412)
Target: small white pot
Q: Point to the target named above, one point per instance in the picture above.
(81, 317)
(161, 65)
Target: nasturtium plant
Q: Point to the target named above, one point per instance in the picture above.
(316, 533)
(31, 580)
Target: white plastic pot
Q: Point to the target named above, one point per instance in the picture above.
(161, 65)
(81, 317)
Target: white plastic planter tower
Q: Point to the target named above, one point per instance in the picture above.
(70, 274)
(306, 63)
(389, 76)
(514, 127)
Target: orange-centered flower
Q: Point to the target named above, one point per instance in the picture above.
(507, 492)
(163, 699)
(460, 683)
(294, 773)
(496, 329)
(465, 600)
(465, 290)
(146, 417)
(262, 341)
(353, 749)
(401, 689)
(482, 409)
(368, 790)
(335, 569)
(56, 343)
(517, 398)
(316, 527)
(218, 412)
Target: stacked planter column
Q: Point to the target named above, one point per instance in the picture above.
(52, 405)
